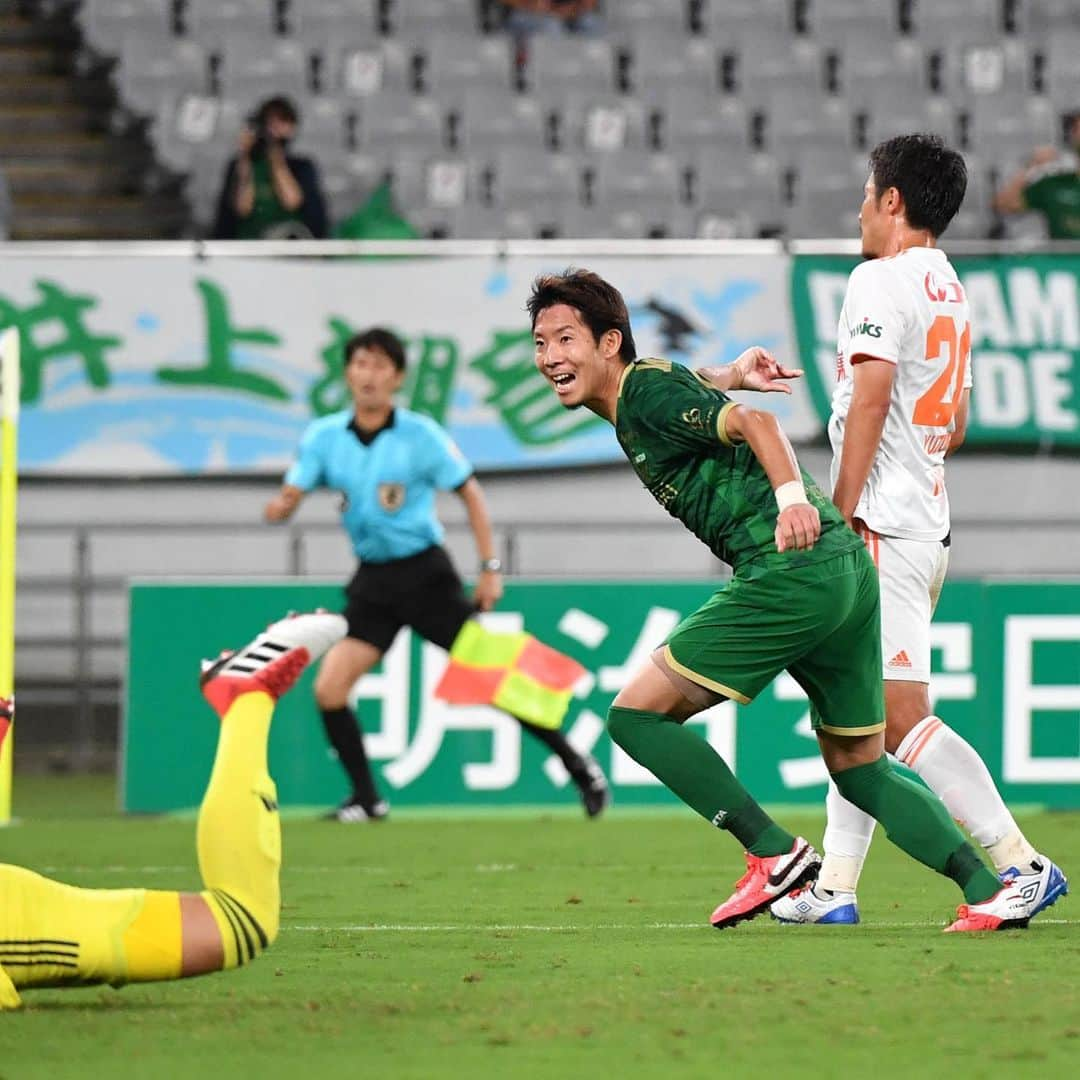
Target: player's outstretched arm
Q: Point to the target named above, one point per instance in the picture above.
(489, 587)
(283, 505)
(755, 369)
(862, 432)
(798, 525)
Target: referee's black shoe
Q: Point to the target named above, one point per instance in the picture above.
(595, 793)
(353, 811)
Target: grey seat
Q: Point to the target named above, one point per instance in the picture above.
(762, 62)
(1005, 129)
(105, 23)
(886, 117)
(659, 67)
(746, 192)
(538, 180)
(628, 177)
(325, 126)
(863, 62)
(629, 20)
(396, 120)
(321, 24)
(832, 20)
(794, 121)
(153, 71)
(728, 21)
(973, 69)
(348, 179)
(690, 119)
(1062, 72)
(413, 19)
(821, 211)
(255, 69)
(557, 62)
(1047, 17)
(940, 21)
(487, 123)
(455, 63)
(209, 21)
(358, 66)
(602, 122)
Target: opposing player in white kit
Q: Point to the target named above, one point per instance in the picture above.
(900, 407)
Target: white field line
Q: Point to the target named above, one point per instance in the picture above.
(533, 928)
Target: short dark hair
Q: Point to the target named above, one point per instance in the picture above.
(930, 176)
(378, 337)
(599, 303)
(277, 106)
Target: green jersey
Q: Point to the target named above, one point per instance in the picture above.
(670, 424)
(1055, 191)
(267, 215)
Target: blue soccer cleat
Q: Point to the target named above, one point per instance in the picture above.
(805, 906)
(1042, 886)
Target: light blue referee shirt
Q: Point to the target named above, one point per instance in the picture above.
(388, 480)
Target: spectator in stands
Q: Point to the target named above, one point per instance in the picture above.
(523, 18)
(1050, 184)
(268, 193)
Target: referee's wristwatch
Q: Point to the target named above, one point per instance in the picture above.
(490, 566)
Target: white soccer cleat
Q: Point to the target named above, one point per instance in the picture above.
(273, 661)
(1007, 909)
(1041, 886)
(805, 906)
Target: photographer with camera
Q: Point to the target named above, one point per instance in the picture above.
(268, 193)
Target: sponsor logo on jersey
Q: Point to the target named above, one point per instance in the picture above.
(692, 418)
(868, 328)
(639, 458)
(942, 292)
(900, 660)
(391, 497)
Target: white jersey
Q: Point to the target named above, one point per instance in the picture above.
(911, 311)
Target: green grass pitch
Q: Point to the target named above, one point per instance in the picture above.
(543, 945)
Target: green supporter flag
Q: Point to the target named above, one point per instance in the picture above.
(513, 672)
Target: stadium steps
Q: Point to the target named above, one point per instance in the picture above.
(74, 172)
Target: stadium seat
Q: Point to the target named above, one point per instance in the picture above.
(209, 21)
(348, 180)
(1062, 72)
(727, 21)
(658, 68)
(743, 194)
(634, 20)
(452, 64)
(256, 68)
(149, 76)
(762, 63)
(537, 180)
(629, 177)
(823, 211)
(555, 63)
(353, 66)
(1042, 18)
(968, 70)
(602, 122)
(325, 126)
(329, 21)
(473, 222)
(862, 63)
(1005, 129)
(832, 20)
(793, 122)
(487, 123)
(886, 117)
(396, 120)
(691, 118)
(937, 22)
(421, 19)
(104, 23)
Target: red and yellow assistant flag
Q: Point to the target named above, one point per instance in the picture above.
(513, 672)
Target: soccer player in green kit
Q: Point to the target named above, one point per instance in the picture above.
(803, 598)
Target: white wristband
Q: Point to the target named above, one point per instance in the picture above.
(790, 494)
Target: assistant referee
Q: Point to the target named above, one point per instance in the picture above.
(388, 463)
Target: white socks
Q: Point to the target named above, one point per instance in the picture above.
(953, 771)
(847, 840)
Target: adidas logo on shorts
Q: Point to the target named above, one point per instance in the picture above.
(901, 659)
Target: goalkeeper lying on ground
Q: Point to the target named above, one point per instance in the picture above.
(57, 935)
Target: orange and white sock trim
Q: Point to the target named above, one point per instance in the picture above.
(916, 740)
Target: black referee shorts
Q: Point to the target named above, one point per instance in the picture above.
(422, 591)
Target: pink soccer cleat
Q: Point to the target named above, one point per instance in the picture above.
(767, 879)
(273, 661)
(1007, 909)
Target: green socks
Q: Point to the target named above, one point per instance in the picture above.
(692, 769)
(917, 822)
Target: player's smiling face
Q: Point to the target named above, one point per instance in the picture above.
(571, 359)
(373, 379)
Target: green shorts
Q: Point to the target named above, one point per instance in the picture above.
(821, 623)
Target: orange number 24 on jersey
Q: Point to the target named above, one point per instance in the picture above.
(932, 410)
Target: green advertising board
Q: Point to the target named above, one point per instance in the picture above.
(1025, 323)
(1006, 664)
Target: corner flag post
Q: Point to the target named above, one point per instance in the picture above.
(9, 429)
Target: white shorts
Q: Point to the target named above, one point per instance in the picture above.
(910, 573)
